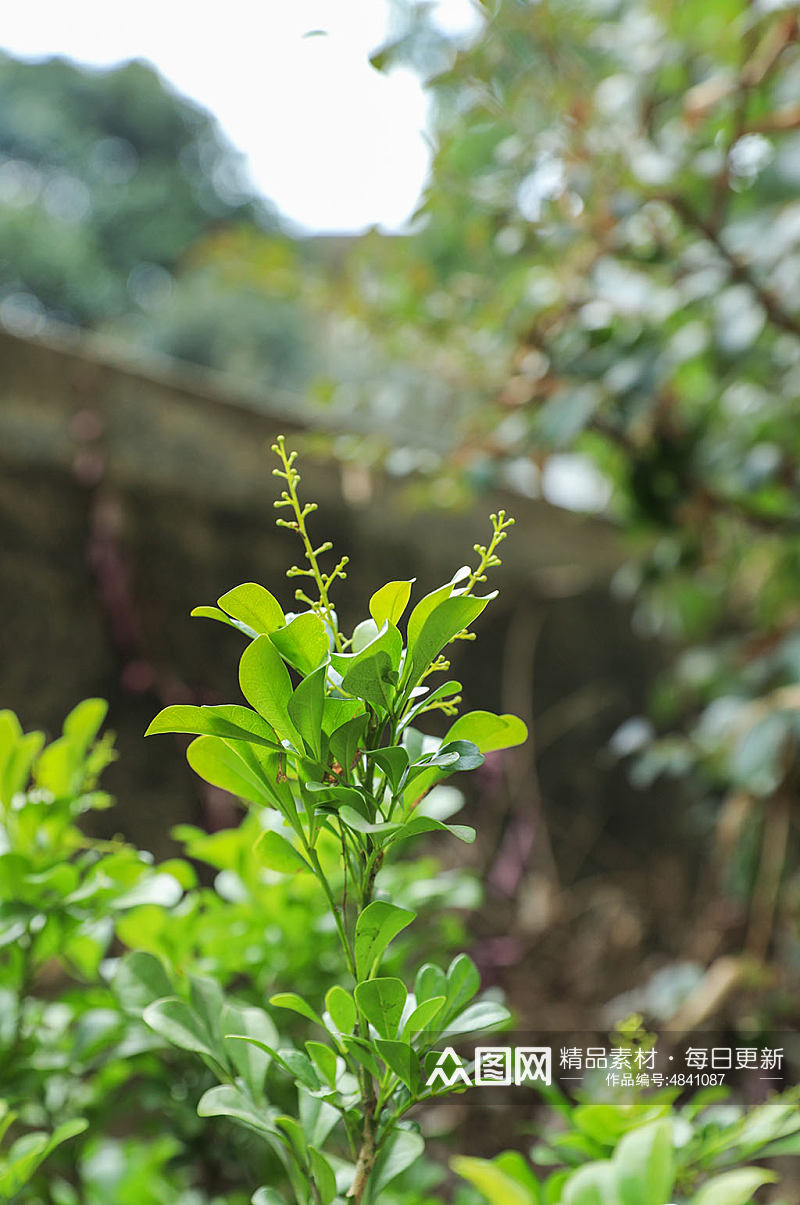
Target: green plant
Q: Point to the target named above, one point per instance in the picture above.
(329, 748)
(646, 1154)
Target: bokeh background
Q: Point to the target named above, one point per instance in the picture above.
(538, 255)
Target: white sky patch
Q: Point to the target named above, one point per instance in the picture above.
(333, 143)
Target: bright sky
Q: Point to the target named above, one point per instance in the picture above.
(335, 144)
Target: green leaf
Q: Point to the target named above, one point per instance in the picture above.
(463, 981)
(381, 1001)
(645, 1165)
(431, 981)
(276, 853)
(296, 1004)
(208, 1001)
(226, 1100)
(399, 1151)
(324, 1059)
(388, 640)
(422, 1016)
(393, 760)
(390, 602)
(215, 761)
(427, 824)
(249, 1060)
(139, 980)
(251, 604)
(402, 1060)
(485, 1014)
(324, 1176)
(347, 740)
(83, 723)
(495, 1185)
(734, 1188)
(423, 609)
(230, 722)
(266, 685)
(445, 621)
(221, 617)
(489, 731)
(356, 821)
(305, 708)
(336, 712)
(593, 1184)
(267, 1196)
(376, 926)
(174, 1020)
(373, 680)
(361, 1051)
(30, 1151)
(303, 642)
(363, 634)
(342, 1009)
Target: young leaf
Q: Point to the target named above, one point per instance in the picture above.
(251, 604)
(422, 1017)
(342, 1009)
(249, 1060)
(493, 1183)
(356, 821)
(388, 640)
(226, 1100)
(399, 1151)
(324, 1059)
(489, 731)
(296, 1004)
(382, 1001)
(221, 617)
(734, 1188)
(427, 824)
(393, 761)
(229, 722)
(323, 1174)
(645, 1164)
(303, 642)
(401, 1059)
(373, 680)
(423, 609)
(431, 981)
(223, 766)
(375, 928)
(485, 1014)
(390, 602)
(463, 981)
(139, 980)
(305, 708)
(276, 853)
(345, 743)
(174, 1020)
(445, 621)
(266, 685)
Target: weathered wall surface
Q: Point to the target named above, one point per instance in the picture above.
(127, 497)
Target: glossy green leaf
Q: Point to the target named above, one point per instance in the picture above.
(140, 979)
(402, 1149)
(376, 926)
(423, 1017)
(323, 1174)
(645, 1164)
(223, 766)
(221, 617)
(387, 640)
(306, 707)
(488, 731)
(266, 685)
(401, 1059)
(174, 1020)
(342, 1009)
(382, 1001)
(229, 722)
(373, 680)
(593, 1184)
(485, 1014)
(277, 853)
(463, 981)
(247, 1059)
(390, 602)
(423, 609)
(734, 1188)
(393, 760)
(356, 821)
(303, 642)
(254, 606)
(30, 1151)
(430, 982)
(427, 824)
(324, 1060)
(493, 1183)
(226, 1100)
(347, 741)
(445, 621)
(296, 1004)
